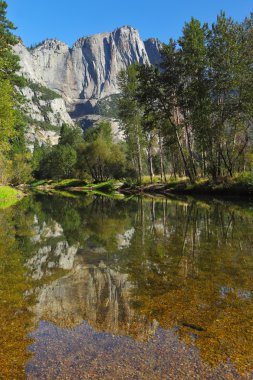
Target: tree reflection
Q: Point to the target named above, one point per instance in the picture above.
(194, 273)
(123, 264)
(15, 318)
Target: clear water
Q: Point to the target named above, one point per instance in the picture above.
(99, 288)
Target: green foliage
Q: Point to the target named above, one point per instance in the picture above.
(7, 114)
(193, 117)
(12, 143)
(66, 183)
(108, 106)
(101, 157)
(21, 168)
(42, 92)
(131, 114)
(59, 163)
(71, 136)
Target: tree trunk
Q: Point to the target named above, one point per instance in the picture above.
(190, 150)
(139, 157)
(162, 166)
(187, 171)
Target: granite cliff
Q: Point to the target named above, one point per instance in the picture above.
(86, 73)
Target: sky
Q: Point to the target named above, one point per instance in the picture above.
(68, 20)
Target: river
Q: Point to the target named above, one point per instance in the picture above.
(95, 287)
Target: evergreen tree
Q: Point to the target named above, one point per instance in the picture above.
(11, 121)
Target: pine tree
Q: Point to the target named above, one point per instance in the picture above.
(11, 121)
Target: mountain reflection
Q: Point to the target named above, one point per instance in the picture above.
(97, 294)
(135, 267)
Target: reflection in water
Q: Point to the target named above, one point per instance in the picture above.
(164, 281)
(15, 318)
(94, 293)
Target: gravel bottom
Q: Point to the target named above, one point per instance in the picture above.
(82, 353)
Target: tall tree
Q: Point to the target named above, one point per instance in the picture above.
(171, 82)
(150, 95)
(131, 114)
(11, 126)
(231, 75)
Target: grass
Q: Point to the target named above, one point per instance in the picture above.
(8, 196)
(8, 192)
(65, 183)
(58, 184)
(110, 185)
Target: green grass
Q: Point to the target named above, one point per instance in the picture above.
(64, 183)
(8, 192)
(8, 196)
(107, 186)
(59, 184)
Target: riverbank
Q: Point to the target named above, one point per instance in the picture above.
(9, 196)
(238, 186)
(228, 188)
(75, 185)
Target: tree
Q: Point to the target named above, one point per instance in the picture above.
(71, 136)
(200, 105)
(102, 157)
(11, 121)
(170, 82)
(150, 95)
(21, 168)
(131, 114)
(231, 75)
(59, 163)
(9, 62)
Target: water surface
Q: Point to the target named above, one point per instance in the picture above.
(97, 288)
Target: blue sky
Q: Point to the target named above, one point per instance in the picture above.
(67, 20)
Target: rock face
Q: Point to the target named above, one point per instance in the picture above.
(88, 71)
(46, 114)
(153, 48)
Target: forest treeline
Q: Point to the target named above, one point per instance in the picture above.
(195, 111)
(192, 116)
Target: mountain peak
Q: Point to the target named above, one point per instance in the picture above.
(88, 71)
(125, 29)
(49, 43)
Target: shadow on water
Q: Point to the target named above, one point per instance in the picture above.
(155, 287)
